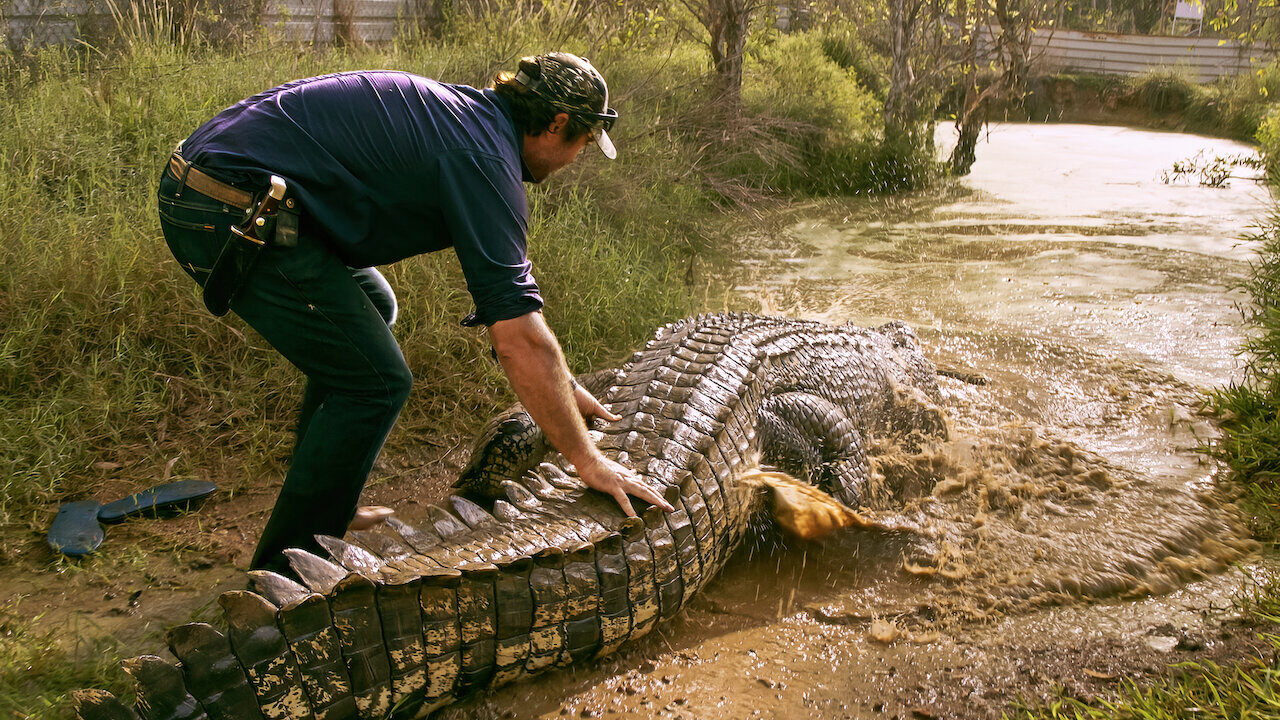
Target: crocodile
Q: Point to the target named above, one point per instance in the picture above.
(485, 591)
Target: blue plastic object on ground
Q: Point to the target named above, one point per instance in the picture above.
(174, 497)
(75, 531)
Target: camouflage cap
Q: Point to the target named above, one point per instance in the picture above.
(570, 83)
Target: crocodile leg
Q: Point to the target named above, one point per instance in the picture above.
(811, 437)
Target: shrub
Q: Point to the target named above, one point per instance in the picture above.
(807, 120)
(1164, 91)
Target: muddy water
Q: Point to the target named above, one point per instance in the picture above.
(1066, 533)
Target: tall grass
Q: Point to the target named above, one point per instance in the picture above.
(1196, 690)
(107, 357)
(1247, 411)
(110, 367)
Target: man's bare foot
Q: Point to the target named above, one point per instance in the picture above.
(368, 516)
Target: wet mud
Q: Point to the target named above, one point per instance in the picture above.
(1066, 534)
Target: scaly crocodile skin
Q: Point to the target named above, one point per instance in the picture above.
(401, 622)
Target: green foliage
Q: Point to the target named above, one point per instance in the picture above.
(794, 79)
(1248, 411)
(812, 127)
(1233, 107)
(109, 366)
(1269, 144)
(1199, 690)
(843, 45)
(1165, 91)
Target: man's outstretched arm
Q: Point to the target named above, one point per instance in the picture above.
(533, 362)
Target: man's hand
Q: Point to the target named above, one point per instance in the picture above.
(617, 481)
(590, 407)
(535, 366)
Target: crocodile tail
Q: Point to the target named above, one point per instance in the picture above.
(100, 705)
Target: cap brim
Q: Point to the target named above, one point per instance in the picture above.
(606, 145)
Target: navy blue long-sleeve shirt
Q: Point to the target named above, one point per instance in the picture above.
(387, 165)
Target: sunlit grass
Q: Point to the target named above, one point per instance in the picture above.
(40, 666)
(1195, 690)
(1248, 689)
(111, 371)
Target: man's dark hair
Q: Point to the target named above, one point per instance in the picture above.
(531, 113)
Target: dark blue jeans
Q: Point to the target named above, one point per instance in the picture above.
(334, 324)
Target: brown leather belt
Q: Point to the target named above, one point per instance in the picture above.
(205, 184)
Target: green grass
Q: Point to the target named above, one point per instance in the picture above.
(1250, 689)
(38, 671)
(1195, 690)
(110, 368)
(1247, 411)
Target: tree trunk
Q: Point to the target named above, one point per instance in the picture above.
(970, 120)
(1014, 44)
(898, 115)
(728, 22)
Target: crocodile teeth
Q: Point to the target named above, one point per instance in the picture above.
(277, 588)
(319, 574)
(349, 556)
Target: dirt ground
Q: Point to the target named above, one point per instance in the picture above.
(768, 639)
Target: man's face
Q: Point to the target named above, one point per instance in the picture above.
(549, 151)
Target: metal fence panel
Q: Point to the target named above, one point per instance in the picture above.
(1204, 59)
(33, 23)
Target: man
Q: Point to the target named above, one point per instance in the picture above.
(376, 167)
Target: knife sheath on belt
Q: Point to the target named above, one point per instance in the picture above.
(232, 267)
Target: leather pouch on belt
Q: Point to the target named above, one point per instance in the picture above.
(286, 235)
(231, 270)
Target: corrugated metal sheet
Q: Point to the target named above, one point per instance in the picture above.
(323, 20)
(41, 22)
(44, 22)
(1205, 59)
